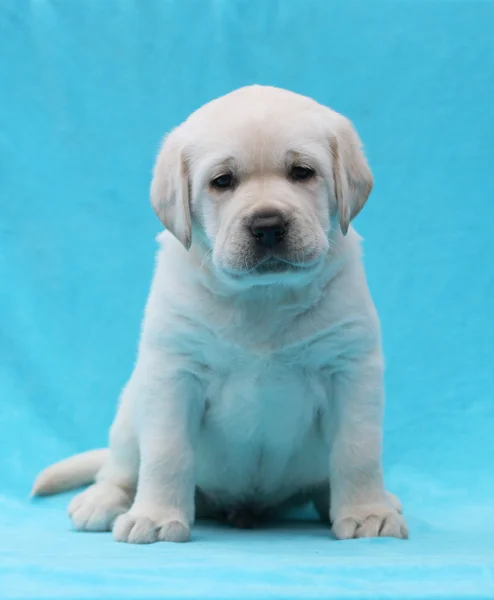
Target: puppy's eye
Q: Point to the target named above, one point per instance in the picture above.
(299, 173)
(223, 182)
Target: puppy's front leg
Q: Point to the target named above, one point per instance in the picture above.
(168, 414)
(360, 506)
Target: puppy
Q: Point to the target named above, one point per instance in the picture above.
(258, 383)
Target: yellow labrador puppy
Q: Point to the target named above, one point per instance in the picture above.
(259, 377)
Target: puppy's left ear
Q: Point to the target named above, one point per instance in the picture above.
(351, 174)
(170, 189)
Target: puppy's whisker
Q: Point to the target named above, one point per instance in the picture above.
(206, 258)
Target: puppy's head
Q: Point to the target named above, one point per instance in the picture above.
(259, 178)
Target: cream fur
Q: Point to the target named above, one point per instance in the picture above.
(259, 376)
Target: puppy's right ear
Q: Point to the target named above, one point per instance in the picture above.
(170, 189)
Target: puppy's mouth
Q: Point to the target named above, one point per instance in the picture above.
(272, 268)
(277, 265)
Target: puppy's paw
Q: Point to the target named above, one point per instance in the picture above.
(136, 528)
(370, 521)
(96, 508)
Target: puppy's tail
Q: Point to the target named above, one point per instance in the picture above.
(70, 473)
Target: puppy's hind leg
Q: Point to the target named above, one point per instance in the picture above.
(99, 505)
(320, 500)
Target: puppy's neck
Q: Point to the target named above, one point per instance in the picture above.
(260, 319)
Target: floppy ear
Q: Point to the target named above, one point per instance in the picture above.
(170, 190)
(351, 174)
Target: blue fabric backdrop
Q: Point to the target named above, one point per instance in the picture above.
(87, 88)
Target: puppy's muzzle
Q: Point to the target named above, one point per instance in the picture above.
(269, 230)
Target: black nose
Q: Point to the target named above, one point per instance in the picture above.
(269, 230)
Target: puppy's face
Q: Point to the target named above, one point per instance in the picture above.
(260, 177)
(260, 194)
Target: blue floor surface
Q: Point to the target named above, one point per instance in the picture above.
(87, 88)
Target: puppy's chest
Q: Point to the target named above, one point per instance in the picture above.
(262, 434)
(272, 398)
